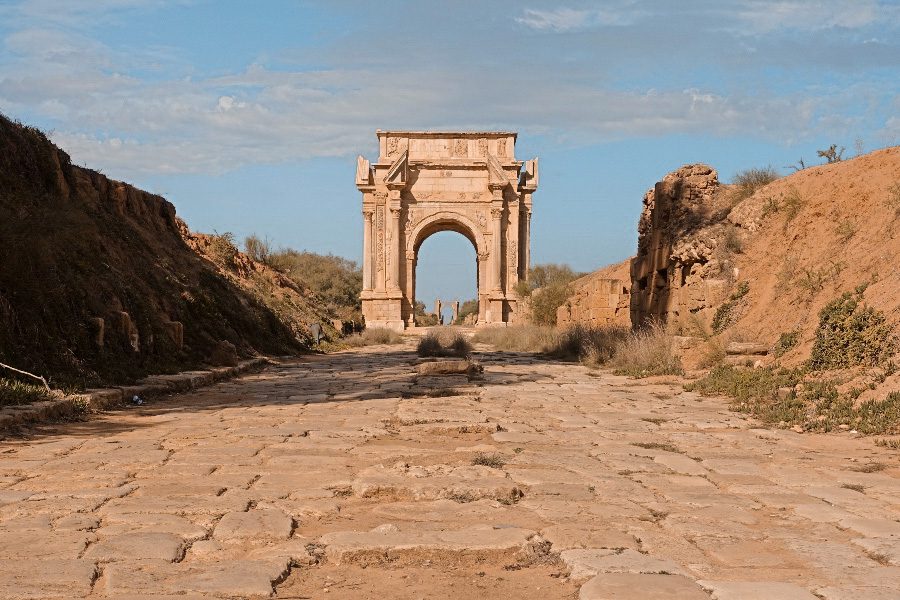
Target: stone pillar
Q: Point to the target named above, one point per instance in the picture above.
(437, 308)
(527, 244)
(512, 248)
(455, 307)
(367, 249)
(397, 250)
(497, 250)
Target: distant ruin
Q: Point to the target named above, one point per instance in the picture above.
(677, 276)
(424, 182)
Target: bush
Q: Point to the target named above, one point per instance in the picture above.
(818, 406)
(749, 181)
(446, 342)
(546, 301)
(517, 338)
(469, 307)
(372, 336)
(590, 344)
(548, 287)
(336, 280)
(786, 342)
(745, 385)
(647, 352)
(257, 249)
(893, 199)
(222, 249)
(850, 334)
(724, 315)
(13, 392)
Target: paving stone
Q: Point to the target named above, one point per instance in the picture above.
(587, 563)
(36, 579)
(265, 524)
(756, 590)
(628, 586)
(229, 578)
(134, 545)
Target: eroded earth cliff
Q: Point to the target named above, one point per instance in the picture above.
(100, 281)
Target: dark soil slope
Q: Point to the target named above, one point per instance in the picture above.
(93, 273)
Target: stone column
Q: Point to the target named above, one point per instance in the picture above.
(497, 250)
(397, 251)
(367, 249)
(526, 243)
(513, 248)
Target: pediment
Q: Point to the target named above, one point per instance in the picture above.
(398, 174)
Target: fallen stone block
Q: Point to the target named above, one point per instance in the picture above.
(450, 367)
(388, 543)
(746, 348)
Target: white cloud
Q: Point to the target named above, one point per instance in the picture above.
(764, 16)
(567, 19)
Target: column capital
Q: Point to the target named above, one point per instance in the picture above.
(496, 212)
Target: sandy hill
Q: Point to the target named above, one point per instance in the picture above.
(716, 260)
(810, 236)
(101, 282)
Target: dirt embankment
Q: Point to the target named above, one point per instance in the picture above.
(100, 282)
(758, 264)
(813, 235)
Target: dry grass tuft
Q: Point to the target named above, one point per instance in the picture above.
(647, 352)
(517, 338)
(494, 461)
(444, 342)
(373, 336)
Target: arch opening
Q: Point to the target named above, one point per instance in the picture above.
(445, 269)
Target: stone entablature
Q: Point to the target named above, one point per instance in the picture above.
(429, 181)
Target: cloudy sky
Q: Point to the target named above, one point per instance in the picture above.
(248, 115)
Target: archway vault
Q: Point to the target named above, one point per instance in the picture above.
(425, 182)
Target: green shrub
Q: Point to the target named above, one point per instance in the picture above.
(334, 279)
(548, 288)
(469, 307)
(724, 315)
(792, 204)
(13, 392)
(786, 342)
(893, 199)
(850, 334)
(745, 385)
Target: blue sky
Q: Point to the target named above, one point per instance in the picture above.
(248, 115)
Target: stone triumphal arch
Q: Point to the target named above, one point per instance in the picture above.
(429, 181)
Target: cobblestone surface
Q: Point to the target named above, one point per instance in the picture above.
(350, 475)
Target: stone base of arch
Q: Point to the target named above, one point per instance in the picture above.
(425, 182)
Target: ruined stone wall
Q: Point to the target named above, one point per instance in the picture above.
(601, 298)
(678, 276)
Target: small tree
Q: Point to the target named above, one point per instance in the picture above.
(832, 155)
(259, 250)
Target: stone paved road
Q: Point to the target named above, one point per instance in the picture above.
(345, 477)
